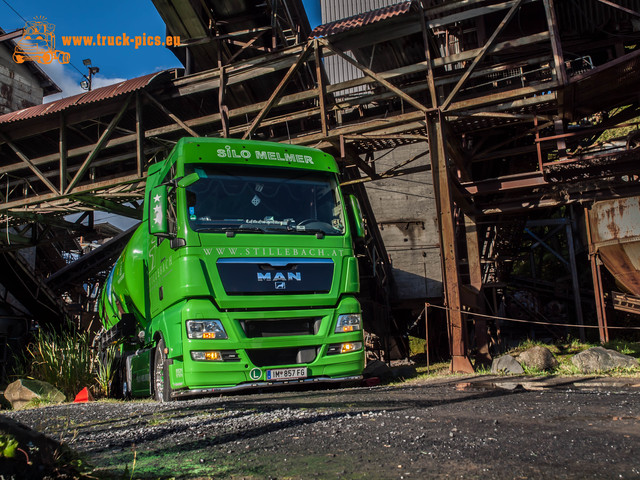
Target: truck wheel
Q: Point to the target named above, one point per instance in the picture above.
(161, 383)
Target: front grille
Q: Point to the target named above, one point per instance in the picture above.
(280, 327)
(282, 356)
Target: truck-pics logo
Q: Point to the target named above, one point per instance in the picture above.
(38, 44)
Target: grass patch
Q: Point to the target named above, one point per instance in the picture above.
(562, 351)
(65, 360)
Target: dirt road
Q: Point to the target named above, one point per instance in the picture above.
(425, 429)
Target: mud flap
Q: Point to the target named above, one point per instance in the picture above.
(137, 373)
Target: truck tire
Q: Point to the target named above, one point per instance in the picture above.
(161, 382)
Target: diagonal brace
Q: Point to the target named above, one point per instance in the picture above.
(29, 163)
(274, 96)
(482, 53)
(98, 146)
(370, 73)
(108, 205)
(168, 113)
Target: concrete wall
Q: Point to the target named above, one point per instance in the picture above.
(405, 206)
(19, 88)
(406, 213)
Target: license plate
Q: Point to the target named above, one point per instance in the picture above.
(287, 373)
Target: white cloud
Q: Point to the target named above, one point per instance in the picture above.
(69, 81)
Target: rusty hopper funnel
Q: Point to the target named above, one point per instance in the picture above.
(615, 232)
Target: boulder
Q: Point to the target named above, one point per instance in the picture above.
(506, 364)
(22, 391)
(538, 357)
(599, 359)
(379, 369)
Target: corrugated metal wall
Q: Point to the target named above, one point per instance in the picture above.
(332, 10)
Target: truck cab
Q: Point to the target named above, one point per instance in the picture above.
(241, 275)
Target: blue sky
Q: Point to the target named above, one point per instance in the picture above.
(133, 17)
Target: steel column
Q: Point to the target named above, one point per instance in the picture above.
(457, 327)
(475, 279)
(601, 310)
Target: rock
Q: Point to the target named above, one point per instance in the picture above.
(379, 369)
(599, 359)
(538, 357)
(22, 391)
(506, 364)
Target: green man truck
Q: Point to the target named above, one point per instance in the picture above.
(242, 274)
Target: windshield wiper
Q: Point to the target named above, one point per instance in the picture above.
(318, 232)
(231, 229)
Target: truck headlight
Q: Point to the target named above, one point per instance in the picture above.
(337, 348)
(206, 329)
(210, 356)
(348, 323)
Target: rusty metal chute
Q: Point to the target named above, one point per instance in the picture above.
(615, 233)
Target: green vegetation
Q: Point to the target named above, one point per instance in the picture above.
(8, 446)
(562, 350)
(64, 360)
(68, 361)
(620, 132)
(105, 370)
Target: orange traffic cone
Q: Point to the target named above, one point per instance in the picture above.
(84, 396)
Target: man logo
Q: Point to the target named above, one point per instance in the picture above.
(280, 277)
(280, 285)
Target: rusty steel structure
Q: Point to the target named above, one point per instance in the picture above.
(511, 98)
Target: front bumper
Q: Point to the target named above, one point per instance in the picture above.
(256, 385)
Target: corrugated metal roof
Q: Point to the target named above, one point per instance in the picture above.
(93, 96)
(361, 20)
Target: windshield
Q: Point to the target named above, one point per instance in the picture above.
(252, 199)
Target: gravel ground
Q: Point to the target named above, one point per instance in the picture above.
(444, 428)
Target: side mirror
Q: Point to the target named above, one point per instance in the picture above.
(356, 212)
(158, 223)
(188, 180)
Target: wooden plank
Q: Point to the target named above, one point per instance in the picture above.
(503, 96)
(498, 47)
(94, 187)
(377, 124)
